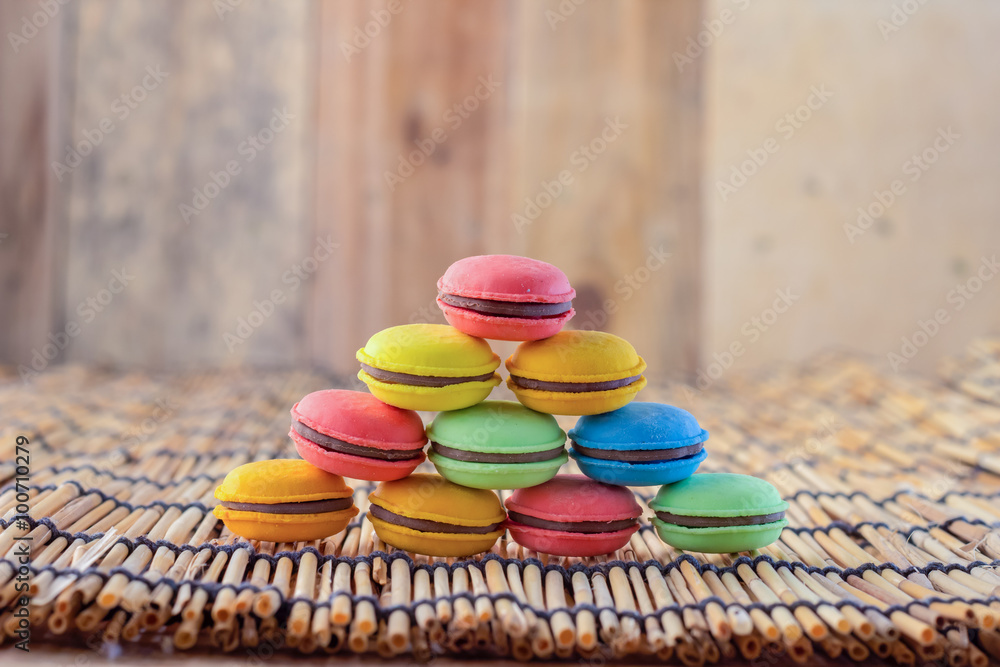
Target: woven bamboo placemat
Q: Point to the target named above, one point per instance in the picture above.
(891, 552)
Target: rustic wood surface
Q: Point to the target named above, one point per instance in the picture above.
(197, 276)
(34, 113)
(564, 68)
(224, 77)
(396, 239)
(557, 87)
(895, 80)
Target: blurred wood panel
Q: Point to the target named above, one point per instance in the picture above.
(32, 111)
(406, 183)
(602, 103)
(207, 86)
(411, 134)
(556, 83)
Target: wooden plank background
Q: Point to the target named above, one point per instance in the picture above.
(33, 115)
(558, 82)
(195, 278)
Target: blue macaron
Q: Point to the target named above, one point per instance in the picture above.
(641, 444)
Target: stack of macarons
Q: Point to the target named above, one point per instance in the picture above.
(480, 446)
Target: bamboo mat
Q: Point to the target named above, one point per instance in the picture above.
(891, 552)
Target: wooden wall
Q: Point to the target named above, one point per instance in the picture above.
(555, 91)
(221, 81)
(795, 223)
(32, 114)
(556, 83)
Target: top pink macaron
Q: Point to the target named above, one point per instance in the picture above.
(354, 434)
(506, 297)
(571, 515)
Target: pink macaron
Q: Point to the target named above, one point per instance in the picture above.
(354, 434)
(505, 297)
(571, 515)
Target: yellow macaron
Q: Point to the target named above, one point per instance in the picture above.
(284, 500)
(429, 515)
(576, 373)
(431, 367)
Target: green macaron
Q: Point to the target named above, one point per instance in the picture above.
(719, 513)
(496, 445)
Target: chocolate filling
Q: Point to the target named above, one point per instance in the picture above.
(506, 308)
(574, 387)
(588, 527)
(427, 526)
(718, 521)
(484, 457)
(639, 455)
(335, 445)
(308, 507)
(421, 380)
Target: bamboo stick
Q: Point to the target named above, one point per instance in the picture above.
(563, 629)
(510, 615)
(602, 599)
(655, 637)
(299, 619)
(465, 617)
(364, 624)
(398, 627)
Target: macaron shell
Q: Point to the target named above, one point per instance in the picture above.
(433, 498)
(576, 356)
(563, 543)
(280, 481)
(503, 328)
(575, 498)
(506, 278)
(638, 474)
(430, 399)
(576, 403)
(429, 349)
(497, 427)
(284, 527)
(719, 540)
(719, 495)
(360, 418)
(356, 467)
(455, 545)
(639, 426)
(496, 475)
